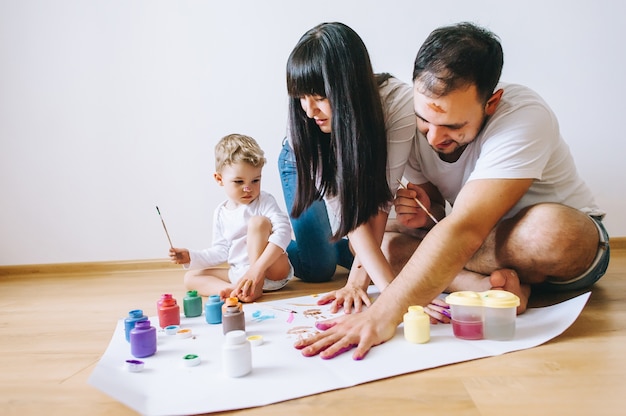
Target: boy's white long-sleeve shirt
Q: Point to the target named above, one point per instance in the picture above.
(230, 229)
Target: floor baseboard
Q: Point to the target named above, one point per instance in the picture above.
(89, 267)
(617, 243)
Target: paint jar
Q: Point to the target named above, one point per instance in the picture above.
(169, 311)
(416, 325)
(213, 310)
(192, 304)
(129, 322)
(466, 309)
(500, 312)
(233, 316)
(143, 339)
(162, 298)
(236, 354)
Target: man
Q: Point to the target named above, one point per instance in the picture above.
(520, 215)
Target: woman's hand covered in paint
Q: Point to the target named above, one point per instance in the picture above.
(408, 212)
(179, 255)
(360, 332)
(350, 297)
(439, 311)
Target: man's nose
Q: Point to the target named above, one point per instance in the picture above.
(435, 135)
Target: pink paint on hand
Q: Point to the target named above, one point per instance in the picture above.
(323, 326)
(339, 352)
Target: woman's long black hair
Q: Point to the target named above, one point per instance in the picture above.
(332, 61)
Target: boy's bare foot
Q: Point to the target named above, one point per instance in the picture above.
(251, 296)
(507, 279)
(226, 292)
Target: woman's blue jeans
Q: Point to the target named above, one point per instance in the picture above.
(313, 256)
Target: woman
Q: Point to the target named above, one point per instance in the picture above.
(349, 136)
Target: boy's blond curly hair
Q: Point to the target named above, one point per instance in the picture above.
(236, 148)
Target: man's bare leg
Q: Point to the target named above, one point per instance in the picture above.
(546, 240)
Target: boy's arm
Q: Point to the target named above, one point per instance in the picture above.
(216, 254)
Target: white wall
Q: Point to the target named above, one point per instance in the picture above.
(108, 108)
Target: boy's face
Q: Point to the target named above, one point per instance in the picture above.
(241, 182)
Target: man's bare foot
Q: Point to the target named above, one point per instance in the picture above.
(507, 279)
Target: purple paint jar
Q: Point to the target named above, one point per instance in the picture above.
(143, 339)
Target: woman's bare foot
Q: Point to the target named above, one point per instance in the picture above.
(507, 279)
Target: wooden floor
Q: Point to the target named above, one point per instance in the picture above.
(54, 328)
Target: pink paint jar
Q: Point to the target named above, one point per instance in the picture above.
(466, 310)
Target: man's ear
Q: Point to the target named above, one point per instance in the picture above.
(493, 101)
(218, 178)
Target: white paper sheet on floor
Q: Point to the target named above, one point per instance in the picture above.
(167, 387)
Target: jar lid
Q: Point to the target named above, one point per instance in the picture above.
(191, 360)
(171, 329)
(235, 337)
(499, 299)
(134, 366)
(416, 310)
(183, 333)
(255, 340)
(464, 298)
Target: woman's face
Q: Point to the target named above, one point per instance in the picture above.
(318, 108)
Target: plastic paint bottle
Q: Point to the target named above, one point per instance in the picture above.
(143, 339)
(129, 322)
(466, 308)
(162, 298)
(236, 354)
(499, 314)
(213, 310)
(416, 325)
(169, 311)
(192, 304)
(232, 316)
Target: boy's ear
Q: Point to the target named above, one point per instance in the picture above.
(218, 178)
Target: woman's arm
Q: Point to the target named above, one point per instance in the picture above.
(369, 262)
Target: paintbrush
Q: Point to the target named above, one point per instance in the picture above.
(432, 217)
(165, 228)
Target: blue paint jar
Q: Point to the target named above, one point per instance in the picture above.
(133, 317)
(213, 310)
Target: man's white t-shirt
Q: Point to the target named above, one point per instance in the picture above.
(520, 140)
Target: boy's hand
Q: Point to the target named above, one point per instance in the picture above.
(179, 255)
